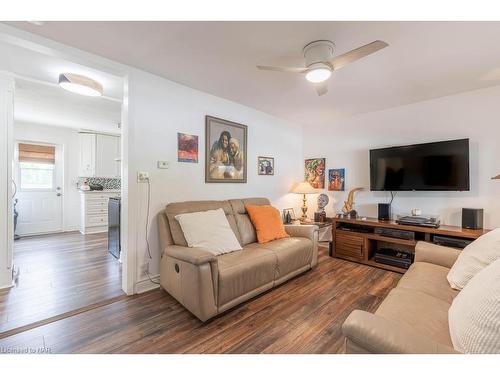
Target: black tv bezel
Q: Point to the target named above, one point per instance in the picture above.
(422, 144)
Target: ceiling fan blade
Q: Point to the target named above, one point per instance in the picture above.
(321, 88)
(356, 54)
(282, 69)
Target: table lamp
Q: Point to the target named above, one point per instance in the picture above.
(304, 188)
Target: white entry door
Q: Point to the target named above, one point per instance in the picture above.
(39, 180)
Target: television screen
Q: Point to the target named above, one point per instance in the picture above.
(429, 166)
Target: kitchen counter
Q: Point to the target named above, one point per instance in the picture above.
(100, 191)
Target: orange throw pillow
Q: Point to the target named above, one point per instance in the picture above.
(267, 223)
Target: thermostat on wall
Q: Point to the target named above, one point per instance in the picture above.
(163, 165)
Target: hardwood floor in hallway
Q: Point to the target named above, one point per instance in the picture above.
(304, 315)
(58, 273)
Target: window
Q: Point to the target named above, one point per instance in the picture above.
(36, 166)
(36, 176)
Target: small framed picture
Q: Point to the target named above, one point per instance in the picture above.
(265, 166)
(288, 215)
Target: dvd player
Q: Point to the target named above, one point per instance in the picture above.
(422, 221)
(393, 257)
(459, 243)
(395, 233)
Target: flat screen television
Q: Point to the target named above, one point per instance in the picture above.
(436, 166)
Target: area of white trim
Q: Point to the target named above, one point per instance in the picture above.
(146, 285)
(7, 88)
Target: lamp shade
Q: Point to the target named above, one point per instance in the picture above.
(496, 177)
(304, 188)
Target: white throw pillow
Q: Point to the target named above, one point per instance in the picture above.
(210, 230)
(476, 256)
(474, 315)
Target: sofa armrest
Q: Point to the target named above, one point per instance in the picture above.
(307, 231)
(375, 334)
(193, 255)
(436, 254)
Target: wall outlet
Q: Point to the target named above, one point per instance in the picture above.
(142, 176)
(163, 164)
(144, 269)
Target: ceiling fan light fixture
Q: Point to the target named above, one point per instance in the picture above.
(80, 84)
(319, 74)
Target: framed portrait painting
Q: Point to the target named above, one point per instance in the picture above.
(336, 179)
(225, 151)
(314, 172)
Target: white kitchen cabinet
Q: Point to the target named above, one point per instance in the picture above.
(99, 155)
(87, 154)
(94, 210)
(108, 150)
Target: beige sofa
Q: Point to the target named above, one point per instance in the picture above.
(208, 285)
(413, 318)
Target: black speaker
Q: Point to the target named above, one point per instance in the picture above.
(472, 218)
(384, 211)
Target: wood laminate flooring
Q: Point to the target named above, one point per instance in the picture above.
(304, 315)
(58, 273)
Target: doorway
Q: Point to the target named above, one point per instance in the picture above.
(38, 177)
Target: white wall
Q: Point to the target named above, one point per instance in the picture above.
(68, 139)
(159, 109)
(474, 115)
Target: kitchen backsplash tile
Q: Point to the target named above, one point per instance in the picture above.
(107, 183)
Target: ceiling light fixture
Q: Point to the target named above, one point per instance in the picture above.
(80, 84)
(318, 73)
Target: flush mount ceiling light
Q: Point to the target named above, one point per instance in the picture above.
(318, 73)
(80, 84)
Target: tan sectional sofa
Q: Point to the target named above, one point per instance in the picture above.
(413, 318)
(208, 285)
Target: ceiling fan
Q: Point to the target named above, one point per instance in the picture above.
(320, 62)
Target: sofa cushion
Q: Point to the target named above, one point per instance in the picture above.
(209, 230)
(267, 223)
(292, 253)
(428, 278)
(475, 313)
(422, 312)
(243, 271)
(177, 208)
(474, 257)
(243, 223)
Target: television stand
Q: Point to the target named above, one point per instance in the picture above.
(356, 240)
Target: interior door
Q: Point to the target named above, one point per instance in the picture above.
(39, 180)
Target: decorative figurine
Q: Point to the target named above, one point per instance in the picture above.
(320, 216)
(349, 203)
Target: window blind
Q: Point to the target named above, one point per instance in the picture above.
(37, 153)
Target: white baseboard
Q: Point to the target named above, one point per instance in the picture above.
(146, 285)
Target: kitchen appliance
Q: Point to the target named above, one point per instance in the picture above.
(114, 246)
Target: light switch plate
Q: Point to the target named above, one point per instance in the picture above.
(142, 176)
(163, 164)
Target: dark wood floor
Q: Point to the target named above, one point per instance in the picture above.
(58, 273)
(302, 316)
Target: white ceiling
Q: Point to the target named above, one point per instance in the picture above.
(424, 60)
(50, 105)
(39, 100)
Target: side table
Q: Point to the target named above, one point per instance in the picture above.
(325, 233)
